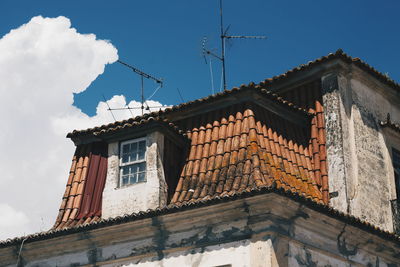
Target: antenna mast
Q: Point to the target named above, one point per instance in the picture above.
(142, 76)
(222, 44)
(223, 37)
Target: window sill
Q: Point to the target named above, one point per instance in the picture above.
(129, 185)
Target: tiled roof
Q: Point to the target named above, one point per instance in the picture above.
(248, 147)
(173, 208)
(388, 123)
(309, 96)
(81, 202)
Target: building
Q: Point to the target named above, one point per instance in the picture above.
(299, 170)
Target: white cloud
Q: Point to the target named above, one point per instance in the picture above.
(12, 222)
(42, 63)
(79, 120)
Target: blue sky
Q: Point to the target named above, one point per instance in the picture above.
(164, 38)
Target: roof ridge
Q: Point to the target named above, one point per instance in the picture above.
(338, 54)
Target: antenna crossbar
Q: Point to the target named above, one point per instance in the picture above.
(138, 71)
(134, 108)
(224, 37)
(142, 75)
(244, 37)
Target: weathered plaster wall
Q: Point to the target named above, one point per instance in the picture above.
(334, 111)
(151, 194)
(237, 254)
(358, 152)
(250, 232)
(300, 255)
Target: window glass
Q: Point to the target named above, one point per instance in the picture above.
(141, 150)
(133, 164)
(133, 151)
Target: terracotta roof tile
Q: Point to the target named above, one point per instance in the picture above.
(74, 208)
(248, 147)
(309, 96)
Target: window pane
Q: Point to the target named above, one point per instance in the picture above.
(141, 150)
(125, 148)
(141, 176)
(141, 167)
(142, 145)
(133, 151)
(133, 179)
(134, 147)
(125, 158)
(126, 170)
(125, 180)
(133, 173)
(141, 154)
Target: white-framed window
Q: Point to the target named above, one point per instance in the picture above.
(132, 165)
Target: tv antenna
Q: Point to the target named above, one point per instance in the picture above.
(224, 36)
(142, 76)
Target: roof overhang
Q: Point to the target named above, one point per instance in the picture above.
(259, 211)
(132, 130)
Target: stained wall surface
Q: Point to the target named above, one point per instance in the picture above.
(248, 232)
(359, 149)
(372, 186)
(119, 201)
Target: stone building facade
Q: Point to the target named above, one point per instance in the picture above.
(298, 170)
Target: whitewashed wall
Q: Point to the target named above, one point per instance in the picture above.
(118, 201)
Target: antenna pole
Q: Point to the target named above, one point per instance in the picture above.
(142, 94)
(222, 44)
(224, 35)
(110, 109)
